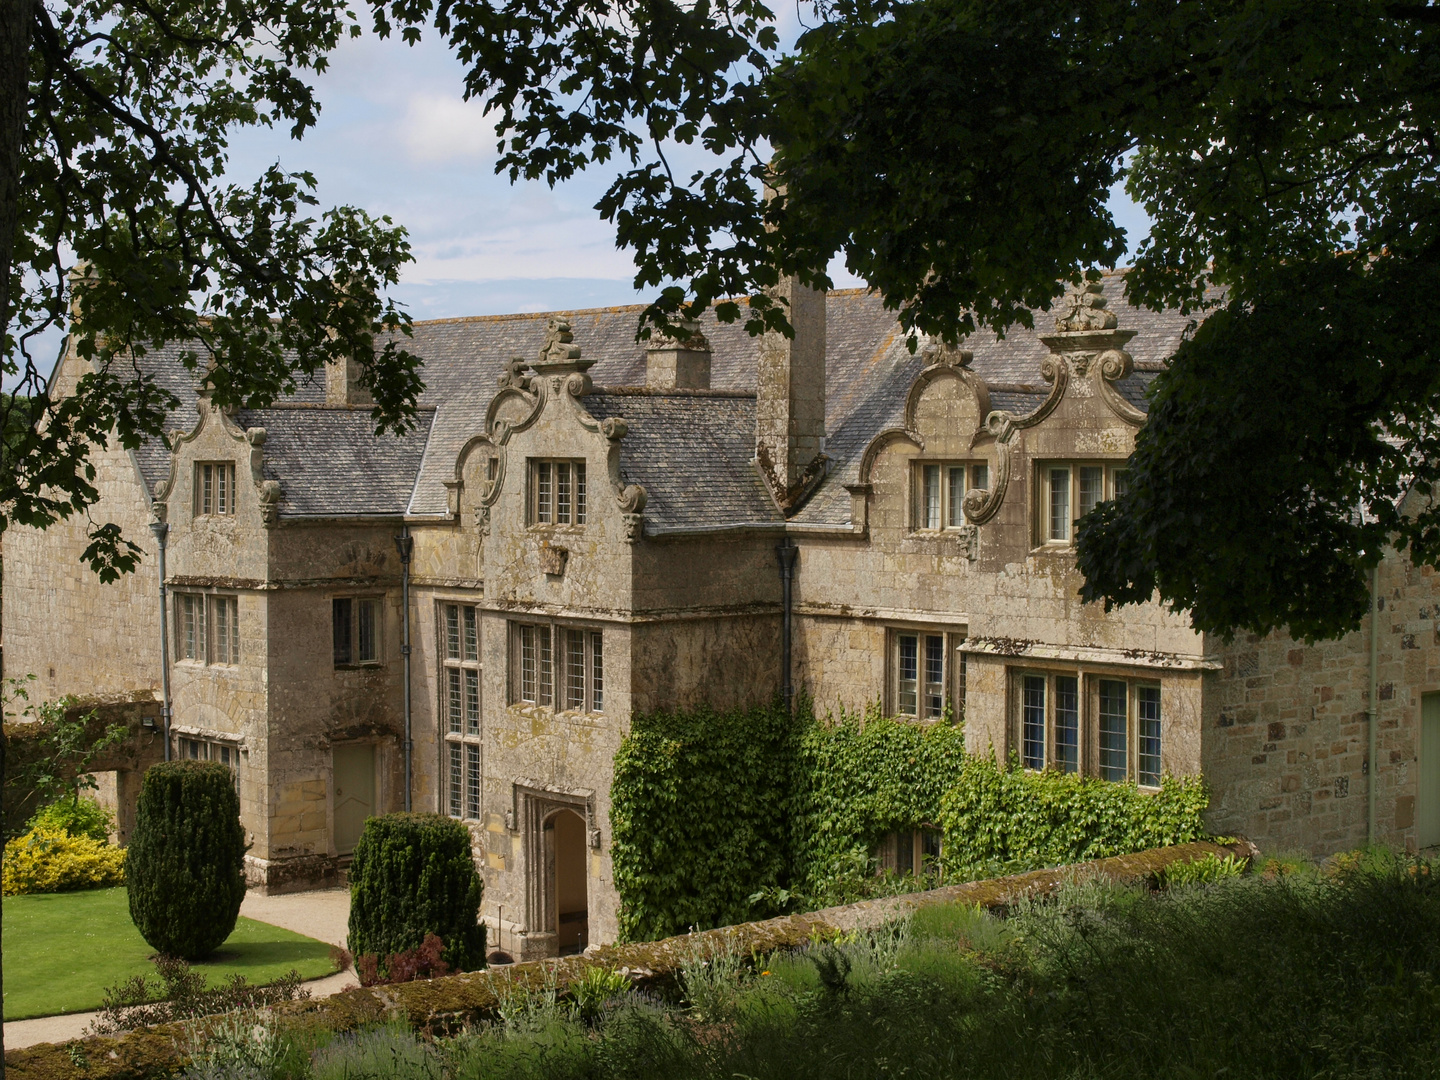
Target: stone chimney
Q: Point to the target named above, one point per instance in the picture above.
(678, 362)
(342, 384)
(790, 398)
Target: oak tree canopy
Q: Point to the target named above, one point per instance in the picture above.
(958, 155)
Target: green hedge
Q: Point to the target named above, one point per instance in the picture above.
(718, 818)
(412, 875)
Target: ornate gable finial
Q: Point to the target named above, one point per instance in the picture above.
(560, 355)
(1083, 308)
(559, 347)
(937, 352)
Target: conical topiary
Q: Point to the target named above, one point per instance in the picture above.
(185, 867)
(412, 875)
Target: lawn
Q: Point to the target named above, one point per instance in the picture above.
(62, 950)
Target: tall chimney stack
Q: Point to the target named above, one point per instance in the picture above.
(790, 397)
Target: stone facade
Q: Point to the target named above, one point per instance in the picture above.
(595, 537)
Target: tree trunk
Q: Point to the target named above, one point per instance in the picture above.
(16, 20)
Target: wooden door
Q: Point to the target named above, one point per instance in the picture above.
(354, 769)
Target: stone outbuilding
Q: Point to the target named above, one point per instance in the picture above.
(598, 528)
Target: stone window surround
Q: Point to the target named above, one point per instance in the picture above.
(950, 515)
(559, 630)
(952, 678)
(908, 851)
(215, 744)
(460, 672)
(1041, 530)
(210, 639)
(539, 495)
(1088, 686)
(377, 629)
(214, 489)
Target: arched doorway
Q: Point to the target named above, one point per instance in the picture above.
(571, 896)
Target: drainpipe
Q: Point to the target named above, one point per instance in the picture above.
(1374, 710)
(405, 544)
(161, 529)
(786, 552)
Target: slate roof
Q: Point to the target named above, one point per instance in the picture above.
(691, 451)
(330, 464)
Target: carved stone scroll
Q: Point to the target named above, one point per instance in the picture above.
(981, 504)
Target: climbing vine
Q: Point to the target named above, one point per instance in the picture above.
(698, 815)
(857, 778)
(1002, 817)
(719, 818)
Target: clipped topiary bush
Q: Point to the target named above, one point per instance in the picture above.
(413, 875)
(185, 870)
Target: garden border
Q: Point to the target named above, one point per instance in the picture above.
(444, 1005)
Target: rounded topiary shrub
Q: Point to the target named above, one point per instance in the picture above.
(185, 867)
(413, 875)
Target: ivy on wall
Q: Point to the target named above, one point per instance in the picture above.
(858, 778)
(1013, 818)
(699, 812)
(710, 810)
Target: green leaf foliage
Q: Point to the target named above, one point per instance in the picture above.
(76, 817)
(1006, 816)
(185, 866)
(126, 226)
(699, 805)
(860, 777)
(719, 818)
(960, 156)
(413, 875)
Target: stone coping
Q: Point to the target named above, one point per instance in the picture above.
(440, 1006)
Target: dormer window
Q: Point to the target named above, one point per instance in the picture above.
(557, 492)
(214, 488)
(939, 492)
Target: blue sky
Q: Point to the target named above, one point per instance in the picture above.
(396, 138)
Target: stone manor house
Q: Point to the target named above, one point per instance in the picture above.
(602, 528)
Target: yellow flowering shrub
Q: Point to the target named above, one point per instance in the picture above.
(48, 860)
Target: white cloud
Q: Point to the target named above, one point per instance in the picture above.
(440, 129)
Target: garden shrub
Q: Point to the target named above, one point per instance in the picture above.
(48, 860)
(698, 811)
(76, 816)
(182, 994)
(424, 962)
(414, 875)
(185, 872)
(1005, 816)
